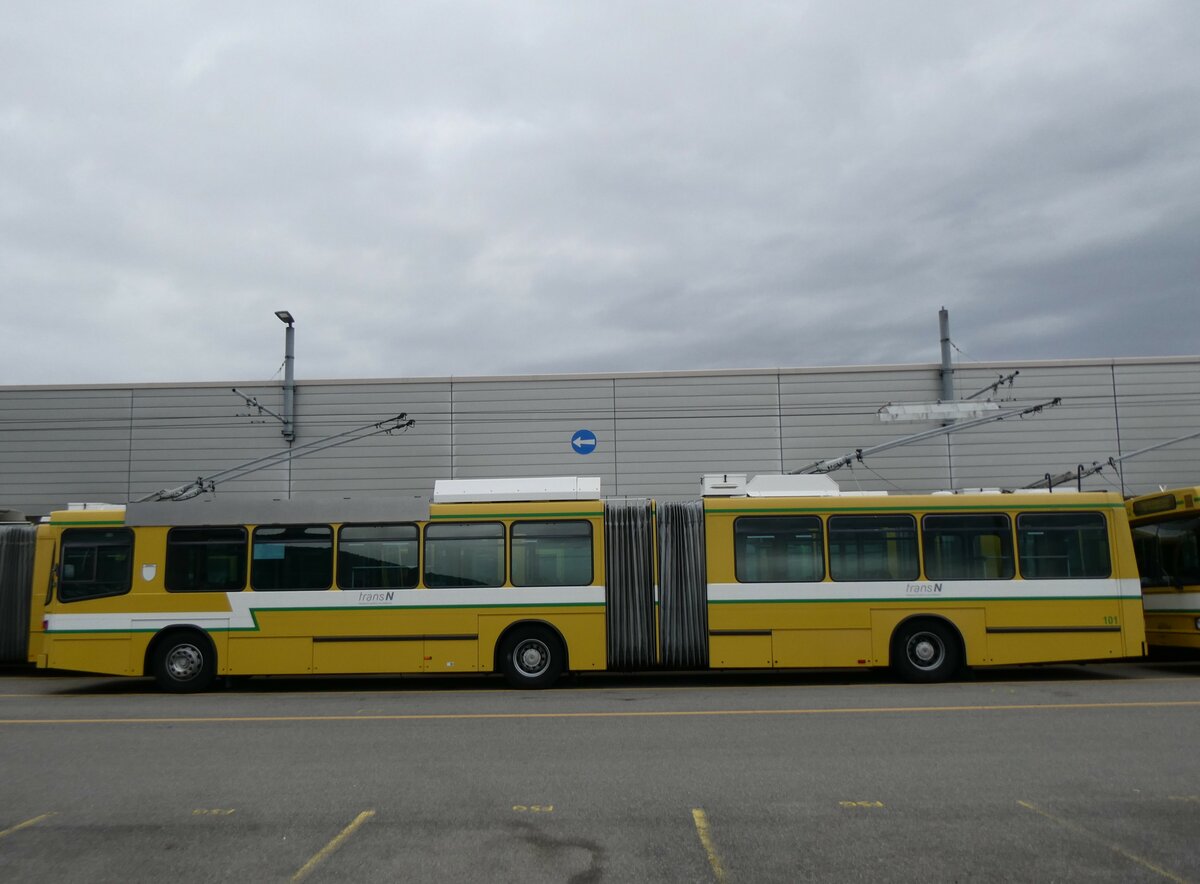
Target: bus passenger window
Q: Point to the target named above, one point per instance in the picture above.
(377, 557)
(873, 548)
(968, 547)
(206, 559)
(464, 554)
(778, 549)
(292, 557)
(95, 563)
(1060, 546)
(552, 553)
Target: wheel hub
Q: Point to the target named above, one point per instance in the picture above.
(531, 657)
(925, 651)
(185, 662)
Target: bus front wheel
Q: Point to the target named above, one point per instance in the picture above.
(184, 662)
(926, 651)
(531, 657)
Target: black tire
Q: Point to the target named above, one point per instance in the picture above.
(532, 657)
(926, 651)
(184, 663)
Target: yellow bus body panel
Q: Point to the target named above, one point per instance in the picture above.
(1171, 611)
(431, 631)
(858, 632)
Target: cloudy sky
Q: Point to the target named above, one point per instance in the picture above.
(513, 187)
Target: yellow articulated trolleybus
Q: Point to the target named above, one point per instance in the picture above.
(1166, 541)
(534, 578)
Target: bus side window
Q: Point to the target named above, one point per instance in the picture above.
(292, 557)
(557, 553)
(778, 549)
(464, 554)
(1061, 546)
(377, 556)
(974, 546)
(96, 562)
(874, 547)
(206, 559)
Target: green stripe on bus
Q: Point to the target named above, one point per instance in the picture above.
(928, 601)
(254, 613)
(836, 511)
(461, 517)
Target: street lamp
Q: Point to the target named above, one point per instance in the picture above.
(289, 376)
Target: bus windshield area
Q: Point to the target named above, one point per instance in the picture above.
(1168, 553)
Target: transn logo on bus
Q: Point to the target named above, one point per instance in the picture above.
(364, 597)
(923, 588)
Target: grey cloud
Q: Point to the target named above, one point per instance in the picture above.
(439, 189)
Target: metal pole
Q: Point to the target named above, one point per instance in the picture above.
(289, 376)
(947, 367)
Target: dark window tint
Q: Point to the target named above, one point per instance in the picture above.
(778, 549)
(95, 562)
(1168, 554)
(292, 557)
(1063, 545)
(200, 559)
(873, 548)
(377, 556)
(552, 553)
(968, 547)
(464, 554)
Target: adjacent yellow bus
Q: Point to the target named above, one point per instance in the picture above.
(534, 578)
(1166, 541)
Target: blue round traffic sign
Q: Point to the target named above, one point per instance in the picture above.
(584, 441)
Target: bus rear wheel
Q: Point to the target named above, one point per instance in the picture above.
(926, 651)
(184, 662)
(531, 657)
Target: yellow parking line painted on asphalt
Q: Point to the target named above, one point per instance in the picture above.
(1116, 848)
(701, 821)
(333, 845)
(694, 713)
(27, 823)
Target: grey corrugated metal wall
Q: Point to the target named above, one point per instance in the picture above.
(657, 432)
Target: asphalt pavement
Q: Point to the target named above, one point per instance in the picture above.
(1064, 773)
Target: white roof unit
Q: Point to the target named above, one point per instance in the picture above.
(723, 484)
(791, 485)
(788, 485)
(115, 507)
(488, 490)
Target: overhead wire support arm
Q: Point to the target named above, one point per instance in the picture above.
(262, 409)
(995, 387)
(1080, 473)
(203, 484)
(828, 466)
